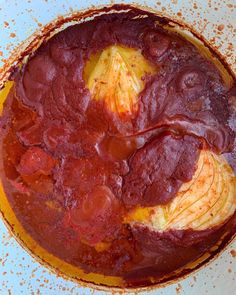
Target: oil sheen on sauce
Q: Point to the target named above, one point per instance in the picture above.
(79, 157)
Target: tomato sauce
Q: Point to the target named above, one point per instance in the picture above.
(72, 169)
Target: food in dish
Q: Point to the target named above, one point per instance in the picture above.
(118, 148)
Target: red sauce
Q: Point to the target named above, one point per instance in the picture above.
(58, 145)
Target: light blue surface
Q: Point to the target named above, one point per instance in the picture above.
(19, 272)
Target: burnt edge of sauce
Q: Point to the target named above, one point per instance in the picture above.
(138, 125)
(8, 71)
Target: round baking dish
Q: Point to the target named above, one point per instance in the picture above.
(34, 43)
